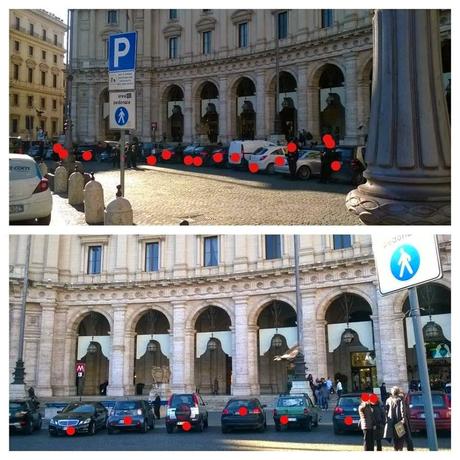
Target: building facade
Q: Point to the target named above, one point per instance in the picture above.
(190, 312)
(36, 73)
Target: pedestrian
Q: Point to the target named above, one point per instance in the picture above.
(128, 155)
(156, 406)
(329, 385)
(366, 423)
(383, 392)
(339, 388)
(318, 396)
(325, 166)
(325, 395)
(292, 158)
(216, 387)
(397, 426)
(379, 421)
(135, 151)
(41, 150)
(116, 156)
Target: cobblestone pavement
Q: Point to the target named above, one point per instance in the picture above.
(168, 194)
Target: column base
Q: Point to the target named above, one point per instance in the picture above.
(18, 391)
(115, 391)
(376, 210)
(301, 386)
(43, 391)
(242, 389)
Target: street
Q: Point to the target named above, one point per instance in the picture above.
(170, 193)
(320, 439)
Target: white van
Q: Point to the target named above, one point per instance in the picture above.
(242, 150)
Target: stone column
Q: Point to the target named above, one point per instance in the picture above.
(351, 99)
(310, 348)
(260, 104)
(178, 348)
(224, 119)
(189, 367)
(240, 366)
(313, 111)
(92, 107)
(146, 117)
(45, 355)
(69, 387)
(321, 347)
(378, 352)
(302, 97)
(253, 360)
(15, 319)
(116, 365)
(188, 126)
(408, 152)
(129, 364)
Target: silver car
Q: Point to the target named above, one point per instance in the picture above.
(308, 164)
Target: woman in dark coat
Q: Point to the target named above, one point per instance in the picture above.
(156, 406)
(379, 417)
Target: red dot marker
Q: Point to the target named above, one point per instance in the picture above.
(57, 148)
(279, 161)
(253, 167)
(128, 420)
(70, 430)
(243, 411)
(292, 147)
(186, 426)
(348, 420)
(284, 420)
(166, 154)
(218, 157)
(151, 160)
(87, 155)
(197, 161)
(188, 160)
(63, 154)
(336, 165)
(373, 398)
(235, 157)
(328, 141)
(364, 397)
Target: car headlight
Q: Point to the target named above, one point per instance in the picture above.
(85, 422)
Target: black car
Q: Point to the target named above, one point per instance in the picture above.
(205, 152)
(24, 416)
(219, 157)
(346, 415)
(131, 416)
(175, 154)
(84, 417)
(239, 413)
(94, 149)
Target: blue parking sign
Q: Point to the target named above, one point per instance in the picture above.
(122, 52)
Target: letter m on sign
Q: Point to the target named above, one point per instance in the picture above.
(80, 367)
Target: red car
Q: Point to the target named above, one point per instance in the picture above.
(441, 409)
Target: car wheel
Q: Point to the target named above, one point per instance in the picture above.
(52, 434)
(337, 430)
(308, 425)
(92, 429)
(145, 427)
(304, 173)
(40, 423)
(316, 422)
(277, 427)
(225, 430)
(201, 426)
(270, 168)
(44, 220)
(206, 423)
(30, 427)
(110, 430)
(169, 429)
(261, 429)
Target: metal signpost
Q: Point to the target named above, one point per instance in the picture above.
(122, 89)
(80, 369)
(403, 262)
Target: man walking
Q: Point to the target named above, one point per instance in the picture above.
(366, 421)
(339, 388)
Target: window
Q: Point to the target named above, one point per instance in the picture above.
(30, 101)
(29, 122)
(31, 29)
(341, 241)
(210, 251)
(54, 81)
(172, 14)
(14, 125)
(173, 47)
(42, 103)
(243, 35)
(94, 259)
(55, 39)
(31, 50)
(42, 125)
(16, 71)
(15, 100)
(16, 46)
(43, 78)
(55, 58)
(18, 24)
(152, 252)
(54, 104)
(43, 54)
(272, 246)
(207, 42)
(326, 18)
(112, 17)
(44, 34)
(282, 25)
(30, 75)
(54, 127)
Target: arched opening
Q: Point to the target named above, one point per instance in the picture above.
(245, 112)
(213, 352)
(277, 324)
(350, 343)
(446, 62)
(175, 113)
(331, 97)
(209, 116)
(434, 301)
(93, 349)
(287, 104)
(105, 133)
(152, 353)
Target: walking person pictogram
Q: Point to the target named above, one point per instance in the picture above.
(404, 263)
(121, 116)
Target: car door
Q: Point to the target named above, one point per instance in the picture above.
(101, 415)
(24, 178)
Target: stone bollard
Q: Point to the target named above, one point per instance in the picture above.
(88, 177)
(118, 211)
(43, 168)
(94, 202)
(60, 179)
(76, 184)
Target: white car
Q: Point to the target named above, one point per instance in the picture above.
(30, 196)
(265, 158)
(239, 152)
(308, 164)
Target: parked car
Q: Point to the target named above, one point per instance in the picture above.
(308, 164)
(30, 197)
(94, 149)
(265, 157)
(131, 415)
(177, 153)
(441, 409)
(107, 154)
(296, 410)
(241, 413)
(224, 151)
(85, 417)
(346, 416)
(205, 152)
(186, 407)
(352, 164)
(239, 151)
(24, 416)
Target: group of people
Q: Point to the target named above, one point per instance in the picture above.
(322, 389)
(390, 422)
(132, 152)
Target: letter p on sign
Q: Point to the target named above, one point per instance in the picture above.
(121, 49)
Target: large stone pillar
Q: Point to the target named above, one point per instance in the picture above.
(321, 347)
(351, 99)
(240, 366)
(116, 365)
(253, 360)
(224, 119)
(408, 153)
(93, 106)
(129, 363)
(189, 366)
(302, 98)
(309, 333)
(178, 348)
(313, 111)
(188, 126)
(260, 104)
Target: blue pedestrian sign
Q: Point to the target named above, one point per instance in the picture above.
(121, 116)
(405, 262)
(122, 52)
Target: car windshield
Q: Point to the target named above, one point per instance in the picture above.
(260, 151)
(23, 170)
(127, 405)
(236, 404)
(79, 408)
(290, 402)
(182, 399)
(350, 401)
(417, 401)
(189, 149)
(18, 406)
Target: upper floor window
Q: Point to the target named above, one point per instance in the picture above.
(55, 39)
(44, 34)
(16, 45)
(211, 255)
(326, 18)
(152, 259)
(207, 42)
(272, 246)
(43, 78)
(30, 101)
(18, 24)
(243, 35)
(173, 41)
(282, 25)
(55, 58)
(30, 75)
(43, 54)
(31, 50)
(94, 260)
(15, 99)
(54, 81)
(172, 14)
(112, 17)
(31, 29)
(29, 122)
(54, 104)
(341, 241)
(16, 71)
(42, 103)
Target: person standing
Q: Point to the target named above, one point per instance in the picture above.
(379, 421)
(383, 392)
(329, 385)
(216, 387)
(135, 152)
(128, 155)
(156, 406)
(366, 421)
(116, 156)
(339, 388)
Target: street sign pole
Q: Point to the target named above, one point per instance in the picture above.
(423, 369)
(122, 162)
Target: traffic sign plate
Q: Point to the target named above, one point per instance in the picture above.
(122, 51)
(403, 261)
(122, 109)
(121, 81)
